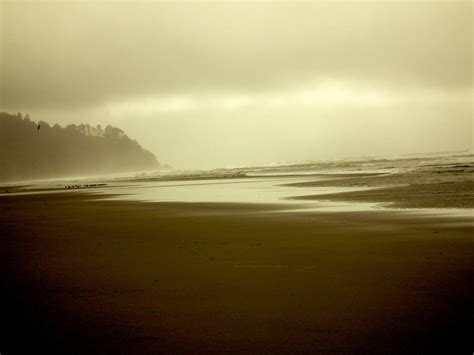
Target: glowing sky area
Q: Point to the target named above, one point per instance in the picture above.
(206, 85)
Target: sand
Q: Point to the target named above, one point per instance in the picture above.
(86, 276)
(425, 187)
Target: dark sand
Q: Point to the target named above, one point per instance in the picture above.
(432, 187)
(438, 195)
(84, 276)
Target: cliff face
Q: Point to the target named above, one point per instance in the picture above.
(30, 150)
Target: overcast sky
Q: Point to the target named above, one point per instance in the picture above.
(226, 84)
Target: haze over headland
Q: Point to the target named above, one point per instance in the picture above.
(35, 150)
(222, 84)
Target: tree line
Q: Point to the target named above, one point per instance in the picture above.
(37, 150)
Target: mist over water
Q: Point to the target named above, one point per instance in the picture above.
(289, 186)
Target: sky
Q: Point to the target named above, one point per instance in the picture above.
(206, 85)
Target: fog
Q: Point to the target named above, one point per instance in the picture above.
(206, 85)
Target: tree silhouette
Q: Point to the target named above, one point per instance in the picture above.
(29, 153)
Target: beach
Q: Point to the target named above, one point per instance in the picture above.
(87, 275)
(236, 177)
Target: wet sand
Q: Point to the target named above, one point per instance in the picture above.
(445, 187)
(437, 195)
(85, 276)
